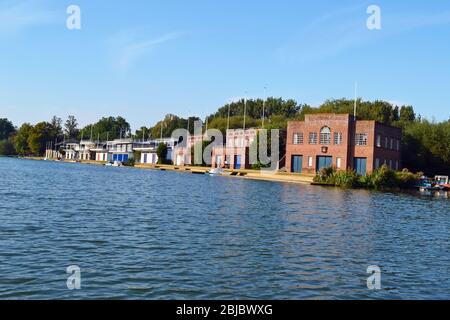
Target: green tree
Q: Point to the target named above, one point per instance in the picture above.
(407, 114)
(6, 129)
(40, 135)
(107, 128)
(71, 127)
(161, 152)
(56, 129)
(21, 139)
(7, 148)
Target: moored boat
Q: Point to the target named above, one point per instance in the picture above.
(442, 183)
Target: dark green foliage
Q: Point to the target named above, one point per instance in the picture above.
(169, 124)
(71, 127)
(21, 139)
(161, 152)
(6, 129)
(130, 162)
(7, 148)
(106, 128)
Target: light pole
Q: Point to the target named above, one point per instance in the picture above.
(228, 120)
(264, 106)
(245, 108)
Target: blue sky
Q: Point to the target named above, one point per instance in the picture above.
(144, 59)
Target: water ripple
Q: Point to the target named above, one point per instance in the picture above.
(162, 235)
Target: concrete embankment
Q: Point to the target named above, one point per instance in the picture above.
(241, 174)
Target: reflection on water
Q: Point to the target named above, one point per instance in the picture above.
(164, 235)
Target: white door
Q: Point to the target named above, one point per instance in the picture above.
(179, 160)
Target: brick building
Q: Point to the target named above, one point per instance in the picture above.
(337, 140)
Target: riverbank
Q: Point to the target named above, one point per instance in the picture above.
(240, 174)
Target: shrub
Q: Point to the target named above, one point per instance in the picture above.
(161, 152)
(408, 179)
(347, 179)
(381, 178)
(326, 175)
(130, 162)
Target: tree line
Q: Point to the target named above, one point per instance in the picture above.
(425, 144)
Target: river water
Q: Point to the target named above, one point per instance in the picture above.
(138, 234)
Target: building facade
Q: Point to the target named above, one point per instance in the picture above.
(235, 153)
(340, 141)
(120, 150)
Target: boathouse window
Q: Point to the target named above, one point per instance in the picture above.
(298, 138)
(386, 142)
(338, 163)
(398, 145)
(338, 138)
(313, 138)
(361, 139)
(310, 161)
(379, 141)
(325, 135)
(377, 163)
(392, 143)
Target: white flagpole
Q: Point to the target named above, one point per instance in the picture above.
(245, 108)
(228, 120)
(356, 93)
(264, 106)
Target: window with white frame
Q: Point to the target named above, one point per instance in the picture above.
(313, 138)
(325, 135)
(338, 138)
(361, 139)
(298, 138)
(310, 162)
(338, 163)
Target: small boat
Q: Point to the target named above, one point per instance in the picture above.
(442, 183)
(117, 164)
(216, 172)
(425, 184)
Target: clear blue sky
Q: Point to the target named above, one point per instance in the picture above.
(142, 59)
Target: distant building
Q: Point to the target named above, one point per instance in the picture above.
(81, 150)
(183, 151)
(148, 150)
(235, 153)
(338, 140)
(120, 150)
